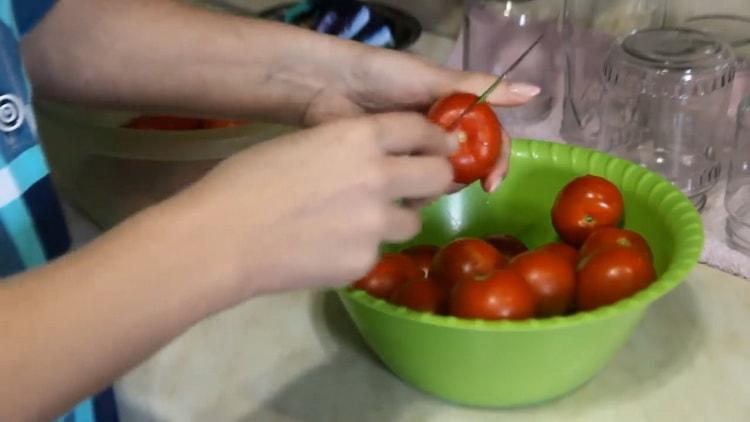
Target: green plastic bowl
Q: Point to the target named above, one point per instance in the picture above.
(516, 363)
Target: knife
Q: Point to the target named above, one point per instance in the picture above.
(494, 85)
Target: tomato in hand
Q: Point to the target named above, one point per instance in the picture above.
(607, 237)
(508, 245)
(585, 204)
(465, 259)
(164, 123)
(502, 295)
(609, 275)
(551, 276)
(479, 133)
(422, 256)
(392, 271)
(423, 294)
(563, 250)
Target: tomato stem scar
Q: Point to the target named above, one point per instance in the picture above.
(462, 137)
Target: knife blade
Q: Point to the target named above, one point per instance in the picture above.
(494, 85)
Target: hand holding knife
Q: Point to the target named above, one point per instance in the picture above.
(495, 84)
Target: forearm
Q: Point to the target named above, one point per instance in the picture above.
(71, 327)
(145, 53)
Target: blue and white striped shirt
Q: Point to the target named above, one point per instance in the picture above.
(32, 228)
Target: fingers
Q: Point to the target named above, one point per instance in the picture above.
(409, 133)
(401, 224)
(426, 177)
(489, 184)
(506, 94)
(416, 177)
(455, 187)
(493, 180)
(417, 204)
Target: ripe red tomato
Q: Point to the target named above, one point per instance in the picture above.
(422, 256)
(563, 250)
(479, 135)
(508, 245)
(552, 278)
(585, 204)
(423, 294)
(465, 259)
(607, 237)
(502, 295)
(164, 123)
(389, 273)
(222, 123)
(609, 275)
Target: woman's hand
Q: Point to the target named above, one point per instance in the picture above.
(306, 210)
(312, 208)
(219, 65)
(379, 80)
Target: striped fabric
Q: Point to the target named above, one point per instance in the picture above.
(32, 228)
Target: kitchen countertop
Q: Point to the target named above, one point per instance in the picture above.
(298, 357)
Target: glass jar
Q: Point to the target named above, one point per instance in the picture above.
(737, 198)
(733, 30)
(496, 33)
(665, 98)
(589, 29)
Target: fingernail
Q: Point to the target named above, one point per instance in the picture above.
(492, 186)
(524, 89)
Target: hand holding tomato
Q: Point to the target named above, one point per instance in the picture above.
(480, 137)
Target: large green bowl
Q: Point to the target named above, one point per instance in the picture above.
(515, 363)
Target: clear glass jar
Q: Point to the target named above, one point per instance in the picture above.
(666, 93)
(737, 198)
(734, 30)
(589, 29)
(496, 33)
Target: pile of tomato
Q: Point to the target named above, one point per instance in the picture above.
(595, 263)
(171, 123)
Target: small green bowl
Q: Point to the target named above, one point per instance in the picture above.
(517, 363)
